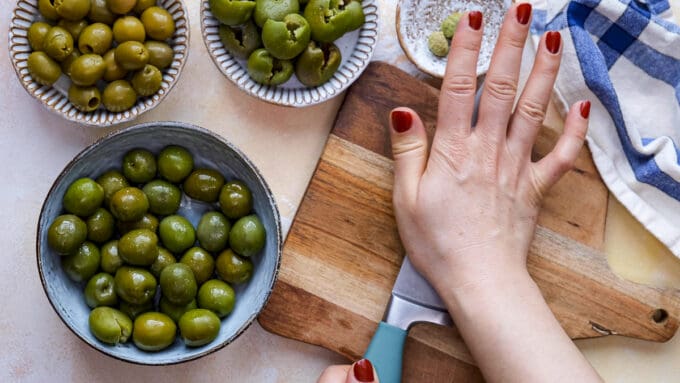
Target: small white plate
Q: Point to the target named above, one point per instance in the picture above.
(416, 19)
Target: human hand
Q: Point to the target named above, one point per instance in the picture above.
(361, 371)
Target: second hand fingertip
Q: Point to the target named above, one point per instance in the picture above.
(475, 20)
(585, 109)
(401, 120)
(553, 41)
(523, 13)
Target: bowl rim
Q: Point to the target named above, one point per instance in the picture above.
(268, 90)
(12, 51)
(173, 124)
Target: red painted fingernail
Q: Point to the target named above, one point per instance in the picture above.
(363, 371)
(553, 40)
(475, 20)
(401, 121)
(585, 109)
(523, 13)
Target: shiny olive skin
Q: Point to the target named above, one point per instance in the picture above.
(232, 12)
(148, 221)
(121, 7)
(100, 226)
(175, 163)
(135, 285)
(241, 40)
(142, 5)
(153, 331)
(236, 200)
(201, 263)
(75, 28)
(128, 28)
(72, 9)
(68, 61)
(119, 96)
(164, 197)
(287, 38)
(199, 327)
(132, 55)
(82, 264)
(204, 184)
(274, 9)
(83, 197)
(66, 234)
(317, 63)
(158, 23)
(36, 35)
(165, 258)
(96, 38)
(113, 71)
(176, 233)
(174, 311)
(43, 69)
(84, 98)
(213, 231)
(217, 296)
(99, 291)
(147, 80)
(110, 325)
(232, 268)
(87, 69)
(110, 259)
(58, 43)
(178, 284)
(46, 8)
(139, 166)
(111, 181)
(129, 204)
(160, 54)
(268, 70)
(138, 247)
(133, 311)
(247, 236)
(100, 13)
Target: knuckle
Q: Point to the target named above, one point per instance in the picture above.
(502, 88)
(459, 85)
(407, 148)
(532, 111)
(515, 40)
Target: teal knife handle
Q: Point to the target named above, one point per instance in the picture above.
(386, 351)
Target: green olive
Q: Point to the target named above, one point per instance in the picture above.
(75, 28)
(82, 264)
(158, 23)
(121, 7)
(111, 181)
(72, 9)
(128, 28)
(58, 43)
(217, 296)
(317, 63)
(99, 291)
(132, 55)
(87, 69)
(176, 233)
(133, 311)
(46, 8)
(247, 236)
(160, 54)
(175, 163)
(113, 70)
(43, 69)
(153, 331)
(204, 185)
(110, 260)
(96, 38)
(236, 200)
(213, 231)
(66, 234)
(267, 69)
(83, 197)
(66, 64)
(164, 197)
(36, 35)
(240, 40)
(148, 221)
(147, 81)
(139, 165)
(199, 327)
(232, 12)
(110, 325)
(164, 259)
(232, 268)
(138, 247)
(274, 10)
(129, 204)
(135, 285)
(100, 13)
(142, 5)
(100, 226)
(84, 98)
(119, 96)
(287, 38)
(200, 262)
(178, 284)
(174, 311)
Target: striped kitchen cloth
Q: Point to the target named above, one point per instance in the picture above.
(624, 56)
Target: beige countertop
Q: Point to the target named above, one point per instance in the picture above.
(35, 145)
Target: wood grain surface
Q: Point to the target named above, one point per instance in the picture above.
(343, 252)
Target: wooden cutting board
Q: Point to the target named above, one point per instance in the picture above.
(343, 252)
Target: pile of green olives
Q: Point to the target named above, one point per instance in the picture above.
(122, 238)
(113, 51)
(282, 37)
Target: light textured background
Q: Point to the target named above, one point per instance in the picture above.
(285, 143)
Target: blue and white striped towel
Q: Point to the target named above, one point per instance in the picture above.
(624, 56)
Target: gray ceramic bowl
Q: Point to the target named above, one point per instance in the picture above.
(209, 150)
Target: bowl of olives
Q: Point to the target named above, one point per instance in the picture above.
(99, 62)
(159, 243)
(290, 52)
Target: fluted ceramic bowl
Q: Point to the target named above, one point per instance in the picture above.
(356, 48)
(55, 97)
(209, 150)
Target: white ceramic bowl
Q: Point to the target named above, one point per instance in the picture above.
(356, 48)
(55, 97)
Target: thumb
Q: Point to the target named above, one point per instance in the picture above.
(362, 372)
(409, 150)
